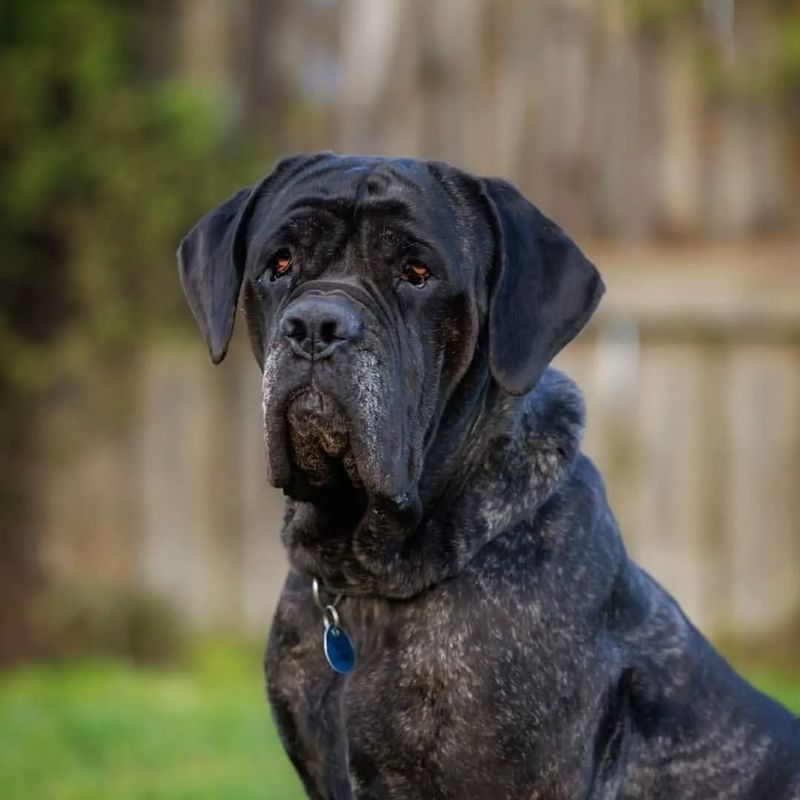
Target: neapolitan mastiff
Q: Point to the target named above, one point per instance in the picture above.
(460, 619)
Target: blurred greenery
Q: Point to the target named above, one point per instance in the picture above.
(104, 162)
(788, 58)
(782, 683)
(654, 16)
(105, 730)
(775, 72)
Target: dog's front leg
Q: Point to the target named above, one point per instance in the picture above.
(321, 780)
(371, 782)
(305, 696)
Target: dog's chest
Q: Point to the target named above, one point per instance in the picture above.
(401, 716)
(442, 695)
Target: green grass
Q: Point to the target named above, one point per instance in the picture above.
(780, 683)
(104, 730)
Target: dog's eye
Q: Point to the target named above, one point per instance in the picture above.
(280, 264)
(416, 273)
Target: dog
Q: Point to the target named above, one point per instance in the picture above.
(460, 619)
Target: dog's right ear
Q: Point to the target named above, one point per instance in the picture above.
(211, 260)
(545, 289)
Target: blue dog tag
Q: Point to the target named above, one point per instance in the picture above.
(338, 646)
(339, 650)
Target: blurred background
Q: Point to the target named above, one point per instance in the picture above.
(139, 558)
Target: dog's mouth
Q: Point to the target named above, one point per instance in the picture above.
(319, 440)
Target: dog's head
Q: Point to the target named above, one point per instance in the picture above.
(371, 287)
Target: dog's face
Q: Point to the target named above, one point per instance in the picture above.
(371, 286)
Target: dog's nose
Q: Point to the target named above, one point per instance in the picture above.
(316, 326)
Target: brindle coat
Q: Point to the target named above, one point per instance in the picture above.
(403, 314)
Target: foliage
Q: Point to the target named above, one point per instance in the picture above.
(770, 69)
(788, 60)
(103, 168)
(654, 16)
(102, 730)
(103, 165)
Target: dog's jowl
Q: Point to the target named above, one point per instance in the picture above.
(461, 619)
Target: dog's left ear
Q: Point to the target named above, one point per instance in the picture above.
(212, 256)
(544, 289)
(211, 260)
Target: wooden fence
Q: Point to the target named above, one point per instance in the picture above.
(692, 379)
(620, 117)
(691, 373)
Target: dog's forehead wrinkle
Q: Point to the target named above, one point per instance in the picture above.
(398, 188)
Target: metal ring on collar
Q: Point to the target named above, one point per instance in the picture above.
(330, 616)
(315, 587)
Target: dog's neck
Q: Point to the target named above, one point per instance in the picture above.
(486, 471)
